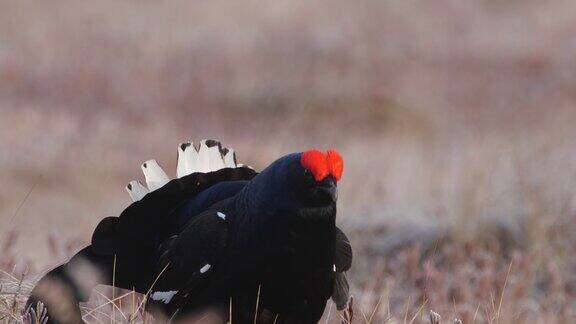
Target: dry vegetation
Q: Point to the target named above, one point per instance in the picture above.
(455, 118)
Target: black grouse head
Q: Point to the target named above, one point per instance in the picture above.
(301, 180)
(316, 177)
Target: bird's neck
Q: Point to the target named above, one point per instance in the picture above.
(269, 220)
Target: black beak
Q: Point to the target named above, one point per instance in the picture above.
(328, 188)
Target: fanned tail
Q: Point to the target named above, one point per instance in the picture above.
(208, 156)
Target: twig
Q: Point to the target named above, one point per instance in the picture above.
(503, 290)
(257, 302)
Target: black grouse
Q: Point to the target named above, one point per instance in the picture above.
(261, 247)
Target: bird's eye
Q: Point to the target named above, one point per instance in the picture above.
(307, 173)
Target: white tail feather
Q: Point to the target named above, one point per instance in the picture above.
(187, 160)
(230, 159)
(181, 166)
(203, 159)
(136, 190)
(209, 158)
(215, 158)
(155, 176)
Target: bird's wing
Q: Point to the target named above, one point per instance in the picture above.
(138, 226)
(163, 207)
(189, 209)
(342, 263)
(188, 260)
(343, 253)
(341, 290)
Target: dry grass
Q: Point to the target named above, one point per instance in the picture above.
(475, 282)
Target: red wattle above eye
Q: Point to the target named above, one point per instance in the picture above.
(315, 162)
(321, 165)
(335, 164)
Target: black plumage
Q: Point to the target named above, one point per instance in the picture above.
(211, 239)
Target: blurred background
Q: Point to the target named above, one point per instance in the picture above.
(456, 120)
